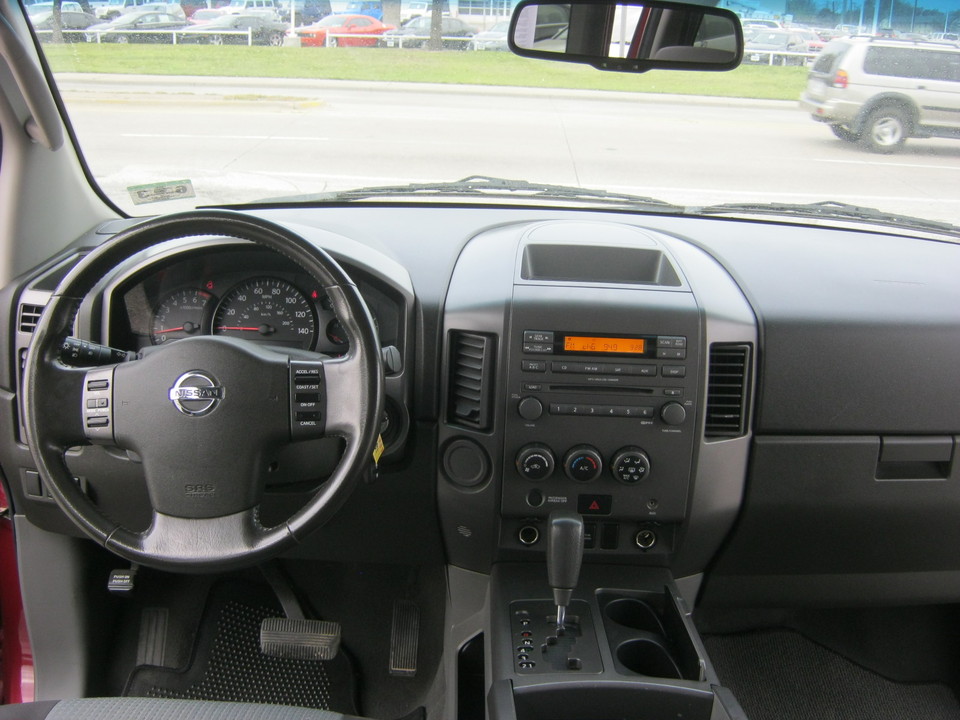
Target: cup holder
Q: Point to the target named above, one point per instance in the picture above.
(648, 656)
(647, 635)
(634, 614)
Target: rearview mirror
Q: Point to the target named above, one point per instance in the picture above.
(631, 36)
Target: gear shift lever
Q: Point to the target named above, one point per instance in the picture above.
(564, 554)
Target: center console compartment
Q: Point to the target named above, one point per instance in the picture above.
(630, 649)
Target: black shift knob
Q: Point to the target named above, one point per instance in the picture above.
(564, 553)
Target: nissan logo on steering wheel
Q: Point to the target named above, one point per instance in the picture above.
(195, 393)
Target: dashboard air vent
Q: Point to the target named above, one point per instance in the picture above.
(29, 317)
(727, 384)
(471, 380)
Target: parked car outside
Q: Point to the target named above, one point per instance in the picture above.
(236, 30)
(140, 27)
(71, 21)
(757, 22)
(881, 92)
(813, 40)
(307, 11)
(493, 39)
(416, 32)
(316, 35)
(370, 8)
(780, 44)
(205, 15)
(268, 8)
(115, 8)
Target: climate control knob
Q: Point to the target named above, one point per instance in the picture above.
(583, 463)
(630, 465)
(673, 413)
(535, 462)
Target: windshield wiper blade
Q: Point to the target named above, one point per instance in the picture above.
(832, 210)
(482, 185)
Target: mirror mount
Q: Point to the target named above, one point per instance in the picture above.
(628, 35)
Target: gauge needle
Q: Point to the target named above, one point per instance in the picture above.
(186, 327)
(262, 329)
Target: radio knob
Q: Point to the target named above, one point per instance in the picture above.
(530, 408)
(583, 463)
(630, 465)
(673, 413)
(535, 462)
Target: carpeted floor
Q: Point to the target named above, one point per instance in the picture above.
(781, 675)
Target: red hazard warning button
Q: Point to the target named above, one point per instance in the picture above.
(594, 504)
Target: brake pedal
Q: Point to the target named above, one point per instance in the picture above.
(298, 639)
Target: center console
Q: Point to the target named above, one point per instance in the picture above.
(590, 381)
(631, 652)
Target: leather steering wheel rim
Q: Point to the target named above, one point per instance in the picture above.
(205, 539)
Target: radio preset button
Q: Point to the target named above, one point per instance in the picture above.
(533, 366)
(671, 341)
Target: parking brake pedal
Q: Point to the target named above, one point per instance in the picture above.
(299, 639)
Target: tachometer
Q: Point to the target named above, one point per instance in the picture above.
(268, 310)
(182, 314)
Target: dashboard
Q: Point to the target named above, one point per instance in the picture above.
(702, 391)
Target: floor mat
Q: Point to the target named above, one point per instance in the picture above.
(227, 663)
(780, 675)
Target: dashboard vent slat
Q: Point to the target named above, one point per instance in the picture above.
(471, 380)
(727, 390)
(29, 317)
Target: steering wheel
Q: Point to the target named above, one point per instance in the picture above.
(204, 414)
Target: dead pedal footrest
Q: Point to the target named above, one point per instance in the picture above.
(299, 639)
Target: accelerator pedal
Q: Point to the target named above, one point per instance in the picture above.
(299, 639)
(404, 639)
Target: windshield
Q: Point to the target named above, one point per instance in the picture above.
(168, 120)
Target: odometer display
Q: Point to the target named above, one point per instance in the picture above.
(267, 310)
(591, 344)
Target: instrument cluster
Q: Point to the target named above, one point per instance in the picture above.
(243, 293)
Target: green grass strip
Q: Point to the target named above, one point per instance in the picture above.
(391, 64)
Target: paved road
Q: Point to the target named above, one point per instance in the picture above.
(243, 140)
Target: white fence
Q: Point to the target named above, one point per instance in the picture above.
(176, 36)
(776, 57)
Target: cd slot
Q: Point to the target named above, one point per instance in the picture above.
(594, 389)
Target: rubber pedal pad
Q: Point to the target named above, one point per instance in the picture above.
(299, 639)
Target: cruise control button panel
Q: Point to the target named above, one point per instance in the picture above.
(307, 400)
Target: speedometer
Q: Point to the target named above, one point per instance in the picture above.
(268, 310)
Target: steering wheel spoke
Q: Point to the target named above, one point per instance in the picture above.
(226, 539)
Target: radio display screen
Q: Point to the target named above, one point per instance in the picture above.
(593, 344)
